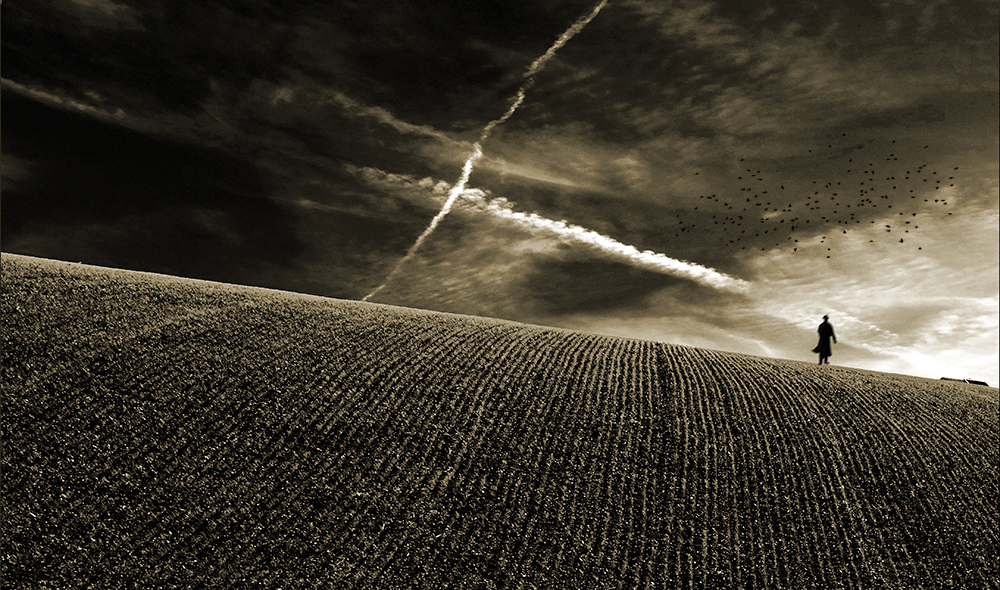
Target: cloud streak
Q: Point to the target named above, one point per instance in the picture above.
(117, 116)
(645, 259)
(379, 114)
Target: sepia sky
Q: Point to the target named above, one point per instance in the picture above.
(718, 174)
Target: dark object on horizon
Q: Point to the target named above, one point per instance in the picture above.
(824, 348)
(972, 381)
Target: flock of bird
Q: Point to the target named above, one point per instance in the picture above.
(761, 214)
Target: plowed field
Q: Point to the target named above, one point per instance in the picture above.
(162, 432)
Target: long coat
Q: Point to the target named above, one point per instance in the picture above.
(825, 334)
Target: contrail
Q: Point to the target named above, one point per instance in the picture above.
(477, 151)
(647, 259)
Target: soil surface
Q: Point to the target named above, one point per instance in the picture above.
(169, 433)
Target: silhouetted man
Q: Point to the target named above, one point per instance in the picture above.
(824, 348)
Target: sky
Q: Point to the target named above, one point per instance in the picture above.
(716, 174)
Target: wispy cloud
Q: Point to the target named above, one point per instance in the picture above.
(115, 115)
(768, 82)
(518, 163)
(376, 113)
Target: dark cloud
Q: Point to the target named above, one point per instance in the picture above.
(433, 60)
(600, 286)
(437, 62)
(135, 201)
(169, 53)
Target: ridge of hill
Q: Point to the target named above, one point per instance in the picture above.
(171, 433)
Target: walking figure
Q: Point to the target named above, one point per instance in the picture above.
(824, 348)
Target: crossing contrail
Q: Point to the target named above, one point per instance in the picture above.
(477, 150)
(646, 259)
